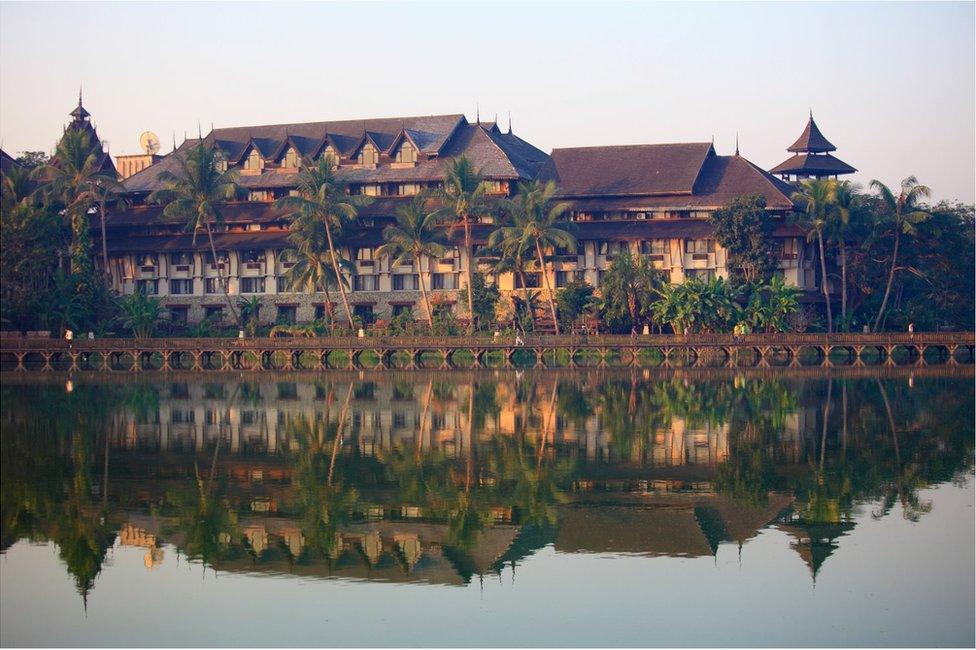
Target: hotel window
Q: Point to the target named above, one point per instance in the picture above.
(147, 287)
(366, 283)
(147, 262)
(532, 280)
(253, 161)
(368, 155)
(181, 287)
(365, 256)
(407, 153)
(437, 281)
(788, 249)
(331, 152)
(319, 312)
(610, 248)
(291, 159)
(177, 316)
(701, 274)
(405, 282)
(283, 285)
(370, 190)
(221, 259)
(699, 246)
(408, 189)
(181, 259)
(365, 314)
(654, 247)
(213, 314)
(287, 314)
(565, 277)
(252, 257)
(211, 285)
(252, 285)
(260, 195)
(400, 310)
(220, 161)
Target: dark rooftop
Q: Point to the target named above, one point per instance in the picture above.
(811, 140)
(812, 165)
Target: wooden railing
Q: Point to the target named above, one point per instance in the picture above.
(883, 339)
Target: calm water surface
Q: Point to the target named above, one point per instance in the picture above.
(498, 508)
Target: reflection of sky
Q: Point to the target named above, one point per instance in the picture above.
(891, 582)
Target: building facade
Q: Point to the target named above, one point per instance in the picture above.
(653, 200)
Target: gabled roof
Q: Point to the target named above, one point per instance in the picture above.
(812, 164)
(497, 155)
(811, 140)
(676, 176)
(7, 162)
(629, 170)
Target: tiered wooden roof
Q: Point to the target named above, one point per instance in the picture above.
(811, 156)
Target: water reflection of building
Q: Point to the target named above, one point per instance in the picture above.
(130, 535)
(254, 418)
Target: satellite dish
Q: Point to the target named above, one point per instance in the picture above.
(149, 142)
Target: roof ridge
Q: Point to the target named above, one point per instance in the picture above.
(631, 146)
(350, 121)
(766, 176)
(504, 153)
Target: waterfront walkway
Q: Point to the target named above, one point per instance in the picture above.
(405, 352)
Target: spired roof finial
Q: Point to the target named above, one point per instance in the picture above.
(79, 113)
(477, 113)
(811, 140)
(736, 143)
(510, 122)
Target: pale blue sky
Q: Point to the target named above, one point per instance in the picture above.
(892, 85)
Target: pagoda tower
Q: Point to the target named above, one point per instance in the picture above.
(811, 157)
(81, 121)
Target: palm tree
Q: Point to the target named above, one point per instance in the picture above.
(324, 199)
(818, 196)
(73, 178)
(848, 208)
(538, 224)
(903, 213)
(466, 200)
(195, 194)
(106, 191)
(313, 268)
(415, 235)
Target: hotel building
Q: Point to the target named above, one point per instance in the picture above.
(653, 200)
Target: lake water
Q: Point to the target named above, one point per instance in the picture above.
(556, 508)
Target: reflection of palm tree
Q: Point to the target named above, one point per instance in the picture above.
(204, 517)
(326, 502)
(906, 483)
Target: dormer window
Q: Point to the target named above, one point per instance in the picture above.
(220, 161)
(330, 151)
(254, 161)
(407, 153)
(368, 155)
(291, 159)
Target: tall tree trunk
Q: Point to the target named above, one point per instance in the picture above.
(337, 443)
(105, 269)
(823, 282)
(469, 271)
(545, 277)
(843, 286)
(891, 279)
(222, 280)
(423, 286)
(338, 273)
(419, 445)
